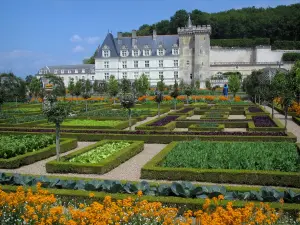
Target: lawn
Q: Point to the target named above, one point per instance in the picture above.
(234, 155)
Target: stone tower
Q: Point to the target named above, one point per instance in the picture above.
(194, 43)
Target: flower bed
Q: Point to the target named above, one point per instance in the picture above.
(253, 109)
(154, 169)
(96, 159)
(166, 123)
(263, 121)
(163, 121)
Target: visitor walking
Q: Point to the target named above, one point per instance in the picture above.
(225, 90)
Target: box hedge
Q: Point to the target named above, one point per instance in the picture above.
(31, 157)
(64, 166)
(198, 127)
(153, 170)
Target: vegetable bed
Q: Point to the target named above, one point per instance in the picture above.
(263, 121)
(98, 158)
(237, 155)
(217, 162)
(206, 127)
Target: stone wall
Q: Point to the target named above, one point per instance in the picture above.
(218, 55)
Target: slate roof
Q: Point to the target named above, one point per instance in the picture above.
(115, 45)
(89, 69)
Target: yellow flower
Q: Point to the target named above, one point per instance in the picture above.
(92, 195)
(139, 193)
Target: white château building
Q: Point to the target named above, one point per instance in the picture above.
(187, 55)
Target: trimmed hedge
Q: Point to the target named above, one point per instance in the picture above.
(296, 120)
(228, 124)
(197, 127)
(31, 157)
(286, 45)
(245, 42)
(290, 57)
(206, 116)
(183, 204)
(168, 127)
(153, 170)
(64, 166)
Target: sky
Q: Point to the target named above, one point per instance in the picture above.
(38, 33)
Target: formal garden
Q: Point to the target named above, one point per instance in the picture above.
(123, 153)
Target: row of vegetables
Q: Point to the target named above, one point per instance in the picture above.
(178, 189)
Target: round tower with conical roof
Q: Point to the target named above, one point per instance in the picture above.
(194, 43)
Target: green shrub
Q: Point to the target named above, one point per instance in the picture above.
(290, 57)
(286, 45)
(236, 155)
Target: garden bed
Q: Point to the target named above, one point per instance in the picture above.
(164, 123)
(265, 123)
(24, 149)
(206, 127)
(92, 124)
(96, 159)
(225, 164)
(185, 111)
(296, 120)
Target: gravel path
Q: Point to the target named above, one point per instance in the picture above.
(291, 125)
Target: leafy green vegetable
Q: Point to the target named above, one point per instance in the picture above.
(234, 155)
(101, 152)
(14, 145)
(77, 122)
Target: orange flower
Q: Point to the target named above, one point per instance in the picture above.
(91, 195)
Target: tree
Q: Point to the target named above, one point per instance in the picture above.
(188, 92)
(56, 112)
(59, 88)
(90, 60)
(125, 86)
(96, 87)
(161, 84)
(181, 84)
(28, 79)
(78, 88)
(128, 101)
(86, 89)
(197, 84)
(71, 87)
(142, 84)
(35, 87)
(207, 84)
(158, 98)
(234, 84)
(113, 87)
(174, 94)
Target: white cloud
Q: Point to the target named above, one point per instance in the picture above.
(75, 38)
(78, 48)
(92, 40)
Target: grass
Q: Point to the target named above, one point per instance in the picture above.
(234, 155)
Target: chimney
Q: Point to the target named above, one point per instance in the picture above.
(154, 35)
(133, 38)
(119, 35)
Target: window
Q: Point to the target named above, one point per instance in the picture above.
(76, 78)
(175, 51)
(106, 53)
(202, 63)
(106, 76)
(83, 71)
(147, 52)
(161, 63)
(136, 75)
(93, 77)
(136, 64)
(40, 72)
(175, 63)
(69, 71)
(135, 52)
(124, 53)
(160, 52)
(200, 51)
(161, 75)
(76, 71)
(124, 64)
(82, 77)
(175, 75)
(124, 75)
(55, 71)
(147, 64)
(106, 64)
(147, 74)
(62, 71)
(188, 62)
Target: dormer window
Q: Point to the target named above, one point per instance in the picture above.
(76, 71)
(147, 52)
(124, 53)
(106, 53)
(83, 70)
(175, 51)
(55, 71)
(160, 52)
(62, 71)
(135, 52)
(69, 71)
